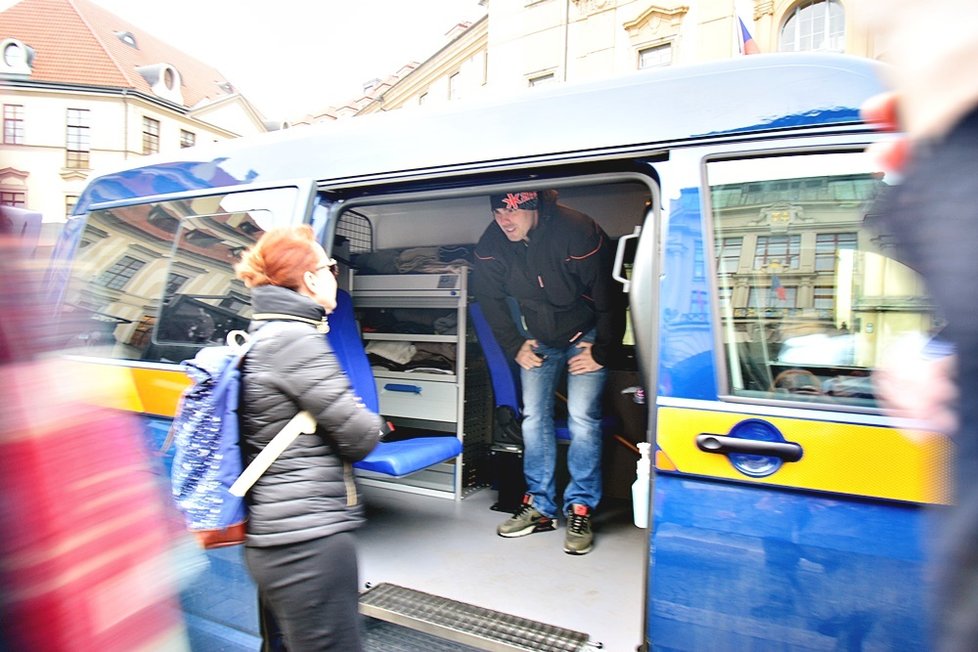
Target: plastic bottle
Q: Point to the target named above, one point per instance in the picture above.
(641, 486)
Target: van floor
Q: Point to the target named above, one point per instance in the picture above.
(450, 549)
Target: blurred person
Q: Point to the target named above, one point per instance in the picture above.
(300, 548)
(932, 216)
(555, 262)
(86, 559)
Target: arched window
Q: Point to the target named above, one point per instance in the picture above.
(814, 25)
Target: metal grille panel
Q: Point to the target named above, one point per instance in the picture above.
(358, 230)
(480, 628)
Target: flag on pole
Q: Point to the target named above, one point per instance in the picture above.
(747, 43)
(744, 15)
(779, 290)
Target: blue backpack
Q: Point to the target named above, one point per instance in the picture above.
(207, 457)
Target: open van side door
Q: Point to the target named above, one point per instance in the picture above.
(788, 509)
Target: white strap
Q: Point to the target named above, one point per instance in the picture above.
(321, 325)
(234, 336)
(301, 423)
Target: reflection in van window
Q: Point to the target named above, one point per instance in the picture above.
(155, 281)
(811, 297)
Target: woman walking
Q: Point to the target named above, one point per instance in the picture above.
(302, 511)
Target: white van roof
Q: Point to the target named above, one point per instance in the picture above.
(643, 111)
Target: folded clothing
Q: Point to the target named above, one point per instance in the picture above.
(399, 352)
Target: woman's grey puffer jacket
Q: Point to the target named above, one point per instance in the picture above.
(308, 492)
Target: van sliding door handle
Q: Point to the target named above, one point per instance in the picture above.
(618, 269)
(723, 445)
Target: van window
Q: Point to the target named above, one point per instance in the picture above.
(155, 281)
(811, 298)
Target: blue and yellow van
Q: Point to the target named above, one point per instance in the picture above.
(788, 511)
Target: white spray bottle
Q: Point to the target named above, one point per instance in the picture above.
(641, 487)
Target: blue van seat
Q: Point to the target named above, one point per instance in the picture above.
(505, 377)
(395, 458)
(503, 372)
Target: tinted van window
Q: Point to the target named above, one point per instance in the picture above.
(155, 281)
(811, 298)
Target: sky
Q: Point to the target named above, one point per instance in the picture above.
(292, 57)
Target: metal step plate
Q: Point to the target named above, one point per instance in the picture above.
(483, 629)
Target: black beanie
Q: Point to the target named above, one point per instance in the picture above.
(527, 201)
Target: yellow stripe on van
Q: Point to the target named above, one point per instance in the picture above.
(133, 389)
(862, 460)
(159, 389)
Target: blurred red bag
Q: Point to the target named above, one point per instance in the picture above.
(87, 536)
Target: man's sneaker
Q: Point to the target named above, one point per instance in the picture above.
(525, 520)
(579, 537)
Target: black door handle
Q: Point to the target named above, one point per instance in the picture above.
(722, 445)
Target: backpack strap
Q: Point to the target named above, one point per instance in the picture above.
(242, 341)
(301, 423)
(238, 340)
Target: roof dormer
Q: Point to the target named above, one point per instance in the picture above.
(16, 58)
(164, 80)
(128, 38)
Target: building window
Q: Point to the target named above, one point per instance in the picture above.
(77, 139)
(655, 57)
(423, 99)
(542, 80)
(777, 252)
(235, 303)
(13, 124)
(728, 258)
(13, 55)
(815, 25)
(173, 284)
(826, 246)
(116, 277)
(187, 138)
(151, 135)
(70, 201)
(13, 198)
(823, 298)
(453, 86)
(724, 295)
(699, 264)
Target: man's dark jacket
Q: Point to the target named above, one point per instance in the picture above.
(561, 278)
(308, 492)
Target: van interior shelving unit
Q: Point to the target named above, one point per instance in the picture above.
(453, 400)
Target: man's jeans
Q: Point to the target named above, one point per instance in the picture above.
(584, 420)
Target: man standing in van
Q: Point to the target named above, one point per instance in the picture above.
(556, 263)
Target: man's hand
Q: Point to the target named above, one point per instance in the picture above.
(583, 362)
(526, 358)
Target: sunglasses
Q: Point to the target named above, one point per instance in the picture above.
(333, 268)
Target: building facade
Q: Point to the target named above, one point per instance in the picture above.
(519, 44)
(82, 91)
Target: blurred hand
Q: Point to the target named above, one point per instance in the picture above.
(583, 362)
(884, 111)
(913, 387)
